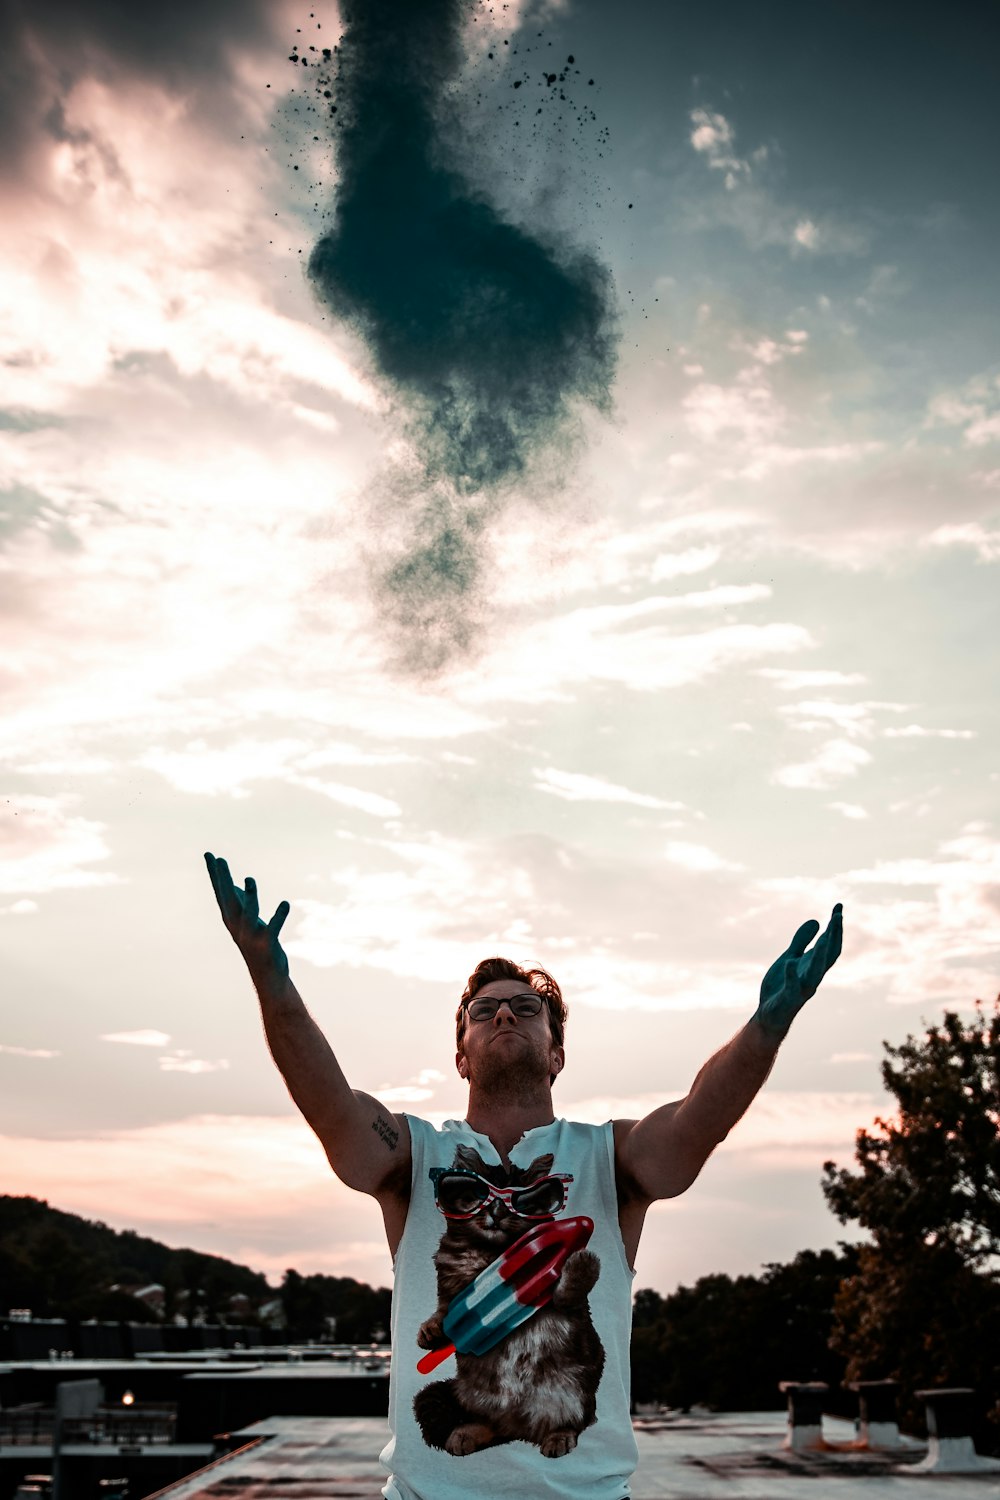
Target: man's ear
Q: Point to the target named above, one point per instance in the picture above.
(461, 1065)
(558, 1059)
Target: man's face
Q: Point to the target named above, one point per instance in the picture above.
(507, 1049)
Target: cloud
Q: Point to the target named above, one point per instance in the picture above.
(815, 479)
(751, 204)
(787, 1123)
(768, 458)
(46, 847)
(183, 1062)
(28, 1051)
(415, 1090)
(425, 885)
(749, 409)
(854, 719)
(741, 422)
(372, 803)
(406, 1093)
(769, 351)
(140, 1038)
(850, 810)
(842, 757)
(919, 732)
(599, 554)
(713, 136)
(697, 858)
(791, 679)
(575, 787)
(185, 1181)
(783, 1125)
(227, 770)
(194, 49)
(599, 922)
(747, 415)
(806, 234)
(231, 770)
(985, 543)
(834, 761)
(676, 564)
(173, 325)
(923, 930)
(633, 644)
(974, 407)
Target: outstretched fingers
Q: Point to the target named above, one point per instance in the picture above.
(229, 896)
(800, 942)
(827, 950)
(278, 920)
(222, 882)
(832, 940)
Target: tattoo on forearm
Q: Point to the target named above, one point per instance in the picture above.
(385, 1131)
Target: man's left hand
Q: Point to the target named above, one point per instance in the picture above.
(794, 977)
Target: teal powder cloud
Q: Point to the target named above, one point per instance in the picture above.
(488, 335)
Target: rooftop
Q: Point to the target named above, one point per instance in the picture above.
(727, 1456)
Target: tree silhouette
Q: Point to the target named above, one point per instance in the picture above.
(924, 1305)
(727, 1342)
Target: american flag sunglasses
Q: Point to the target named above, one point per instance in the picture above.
(461, 1194)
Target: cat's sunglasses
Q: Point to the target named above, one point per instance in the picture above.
(461, 1194)
(486, 1007)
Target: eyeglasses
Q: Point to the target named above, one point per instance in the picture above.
(486, 1007)
(461, 1194)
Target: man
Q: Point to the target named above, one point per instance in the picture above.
(513, 1233)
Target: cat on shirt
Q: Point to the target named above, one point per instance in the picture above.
(539, 1383)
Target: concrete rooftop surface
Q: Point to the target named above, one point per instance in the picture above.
(725, 1456)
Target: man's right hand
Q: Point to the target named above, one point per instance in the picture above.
(256, 940)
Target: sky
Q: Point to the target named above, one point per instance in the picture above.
(721, 651)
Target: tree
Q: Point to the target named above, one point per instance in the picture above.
(106, 1256)
(933, 1175)
(360, 1313)
(924, 1305)
(726, 1343)
(304, 1305)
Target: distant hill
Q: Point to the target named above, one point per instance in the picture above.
(63, 1266)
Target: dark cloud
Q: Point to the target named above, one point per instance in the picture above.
(20, 420)
(489, 335)
(45, 48)
(23, 509)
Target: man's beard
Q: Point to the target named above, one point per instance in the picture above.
(512, 1073)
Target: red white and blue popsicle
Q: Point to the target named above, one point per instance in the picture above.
(510, 1290)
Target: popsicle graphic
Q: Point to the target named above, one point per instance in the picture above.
(510, 1290)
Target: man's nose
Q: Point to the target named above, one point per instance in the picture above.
(499, 1015)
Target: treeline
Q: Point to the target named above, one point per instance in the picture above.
(918, 1303)
(923, 1306)
(726, 1342)
(63, 1266)
(356, 1311)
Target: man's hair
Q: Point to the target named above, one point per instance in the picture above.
(504, 968)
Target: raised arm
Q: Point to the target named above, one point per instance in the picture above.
(368, 1147)
(661, 1155)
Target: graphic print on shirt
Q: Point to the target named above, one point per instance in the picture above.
(526, 1366)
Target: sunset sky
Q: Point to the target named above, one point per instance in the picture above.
(734, 645)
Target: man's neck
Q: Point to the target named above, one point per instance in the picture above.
(506, 1120)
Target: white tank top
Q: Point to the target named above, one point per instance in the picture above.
(525, 1274)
